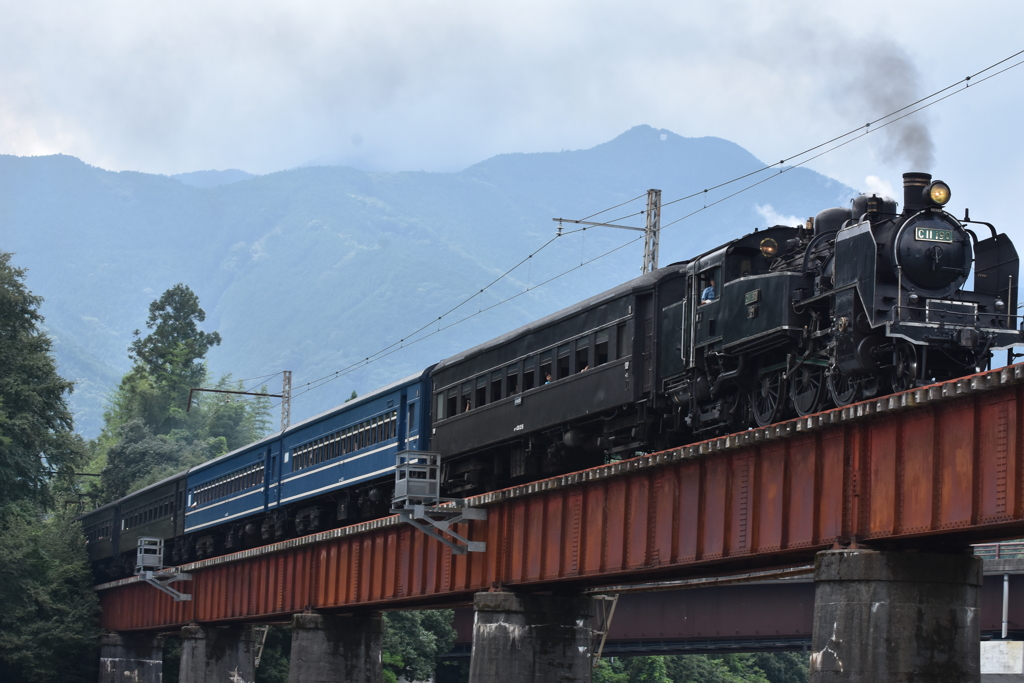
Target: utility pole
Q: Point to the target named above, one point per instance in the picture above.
(286, 399)
(285, 396)
(652, 231)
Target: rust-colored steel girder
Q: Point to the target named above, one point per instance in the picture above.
(940, 463)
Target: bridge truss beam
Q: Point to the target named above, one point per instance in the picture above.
(929, 468)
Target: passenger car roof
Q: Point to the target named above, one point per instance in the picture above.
(646, 281)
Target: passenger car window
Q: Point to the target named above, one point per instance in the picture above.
(582, 354)
(563, 361)
(529, 374)
(512, 380)
(601, 348)
(481, 392)
(453, 403)
(546, 368)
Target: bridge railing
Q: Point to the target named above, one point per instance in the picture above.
(1005, 550)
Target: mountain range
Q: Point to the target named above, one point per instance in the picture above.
(316, 269)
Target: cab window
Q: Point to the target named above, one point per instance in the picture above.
(710, 285)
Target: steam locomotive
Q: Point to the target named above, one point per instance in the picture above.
(859, 302)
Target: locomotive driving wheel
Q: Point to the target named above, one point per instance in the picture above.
(904, 366)
(842, 388)
(769, 395)
(807, 388)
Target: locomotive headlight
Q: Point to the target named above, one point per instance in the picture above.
(1000, 305)
(769, 247)
(914, 299)
(937, 193)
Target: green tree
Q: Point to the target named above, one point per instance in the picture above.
(740, 668)
(36, 431)
(414, 640)
(167, 363)
(49, 626)
(783, 667)
(649, 669)
(135, 455)
(176, 346)
(239, 421)
(277, 649)
(151, 432)
(610, 670)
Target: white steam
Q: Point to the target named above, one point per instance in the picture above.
(876, 185)
(772, 217)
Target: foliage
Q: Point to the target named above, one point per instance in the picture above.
(133, 456)
(237, 421)
(738, 668)
(153, 430)
(277, 648)
(167, 363)
(49, 620)
(36, 435)
(172, 351)
(784, 667)
(641, 669)
(647, 670)
(414, 640)
(610, 670)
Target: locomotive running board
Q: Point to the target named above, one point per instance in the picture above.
(435, 521)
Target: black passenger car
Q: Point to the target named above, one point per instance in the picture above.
(555, 394)
(113, 530)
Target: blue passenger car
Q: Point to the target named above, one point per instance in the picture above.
(336, 467)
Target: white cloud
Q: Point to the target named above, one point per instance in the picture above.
(882, 188)
(441, 84)
(772, 217)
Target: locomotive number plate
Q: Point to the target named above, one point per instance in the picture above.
(933, 235)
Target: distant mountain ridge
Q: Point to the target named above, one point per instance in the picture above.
(213, 178)
(315, 269)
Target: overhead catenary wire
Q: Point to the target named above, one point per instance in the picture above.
(866, 130)
(317, 383)
(862, 130)
(856, 133)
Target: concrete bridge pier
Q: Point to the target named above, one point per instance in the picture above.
(217, 654)
(136, 658)
(336, 649)
(895, 617)
(520, 638)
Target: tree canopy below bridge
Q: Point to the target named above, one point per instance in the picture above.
(48, 612)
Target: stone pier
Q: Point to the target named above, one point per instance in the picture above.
(212, 654)
(895, 617)
(129, 657)
(336, 649)
(521, 638)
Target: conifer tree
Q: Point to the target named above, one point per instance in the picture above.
(37, 440)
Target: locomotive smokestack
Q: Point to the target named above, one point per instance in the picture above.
(913, 191)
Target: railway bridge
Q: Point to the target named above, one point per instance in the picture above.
(884, 497)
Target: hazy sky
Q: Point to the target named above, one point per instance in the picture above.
(410, 85)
